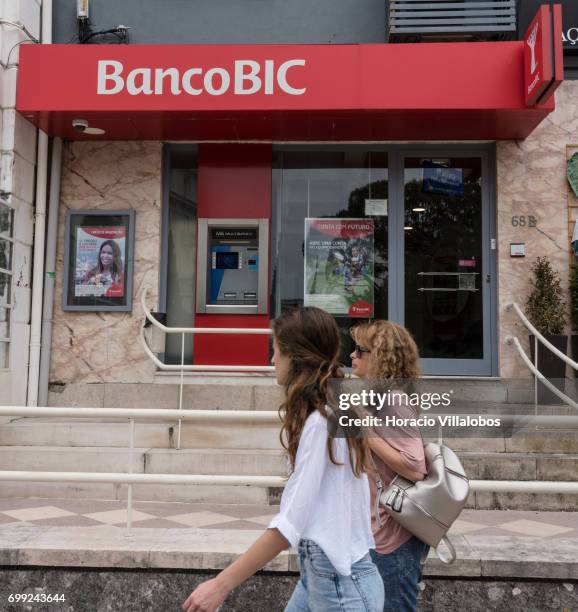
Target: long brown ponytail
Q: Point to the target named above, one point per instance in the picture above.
(310, 338)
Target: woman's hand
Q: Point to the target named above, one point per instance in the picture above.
(207, 597)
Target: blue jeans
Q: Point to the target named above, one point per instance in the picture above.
(322, 589)
(401, 572)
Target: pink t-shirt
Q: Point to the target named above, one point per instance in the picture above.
(409, 443)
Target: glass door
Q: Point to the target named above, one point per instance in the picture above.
(447, 261)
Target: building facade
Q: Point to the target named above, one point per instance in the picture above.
(397, 187)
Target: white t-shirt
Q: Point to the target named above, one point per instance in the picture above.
(325, 502)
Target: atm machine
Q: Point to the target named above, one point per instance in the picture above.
(232, 266)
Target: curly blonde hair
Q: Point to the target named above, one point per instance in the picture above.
(394, 355)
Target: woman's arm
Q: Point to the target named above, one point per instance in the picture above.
(392, 457)
(209, 595)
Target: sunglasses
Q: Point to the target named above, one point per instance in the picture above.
(358, 351)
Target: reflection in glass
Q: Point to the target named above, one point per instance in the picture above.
(332, 184)
(443, 256)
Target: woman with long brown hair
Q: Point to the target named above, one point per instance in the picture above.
(386, 356)
(325, 509)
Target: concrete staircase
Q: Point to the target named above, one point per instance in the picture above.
(102, 446)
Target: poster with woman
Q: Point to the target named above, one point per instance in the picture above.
(339, 266)
(99, 261)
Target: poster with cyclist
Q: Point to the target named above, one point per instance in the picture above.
(338, 274)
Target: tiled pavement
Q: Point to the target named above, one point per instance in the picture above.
(160, 515)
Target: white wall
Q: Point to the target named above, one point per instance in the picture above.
(17, 176)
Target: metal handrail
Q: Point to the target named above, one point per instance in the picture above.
(199, 330)
(131, 478)
(567, 400)
(233, 416)
(230, 416)
(496, 486)
(537, 334)
(182, 368)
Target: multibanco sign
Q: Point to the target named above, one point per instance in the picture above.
(246, 77)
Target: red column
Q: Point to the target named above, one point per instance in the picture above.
(234, 182)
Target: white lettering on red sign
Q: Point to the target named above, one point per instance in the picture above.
(531, 42)
(571, 36)
(248, 77)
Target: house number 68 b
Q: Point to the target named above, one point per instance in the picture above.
(524, 221)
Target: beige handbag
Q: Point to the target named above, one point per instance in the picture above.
(428, 507)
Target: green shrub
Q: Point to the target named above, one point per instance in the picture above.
(546, 306)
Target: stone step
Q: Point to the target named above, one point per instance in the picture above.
(216, 494)
(520, 466)
(87, 433)
(145, 461)
(233, 392)
(478, 465)
(115, 433)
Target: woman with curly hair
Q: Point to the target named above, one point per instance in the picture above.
(325, 509)
(386, 354)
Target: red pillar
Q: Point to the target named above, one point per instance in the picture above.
(234, 182)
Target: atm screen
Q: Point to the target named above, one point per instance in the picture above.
(227, 261)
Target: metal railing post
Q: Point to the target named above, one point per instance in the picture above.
(535, 377)
(129, 533)
(181, 388)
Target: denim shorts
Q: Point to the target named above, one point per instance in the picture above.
(401, 572)
(322, 589)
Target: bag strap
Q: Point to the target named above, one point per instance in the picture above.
(447, 559)
(380, 487)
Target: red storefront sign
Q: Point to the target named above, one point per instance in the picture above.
(280, 92)
(543, 54)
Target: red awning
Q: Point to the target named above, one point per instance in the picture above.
(435, 91)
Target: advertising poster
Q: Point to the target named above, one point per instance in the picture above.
(99, 261)
(339, 260)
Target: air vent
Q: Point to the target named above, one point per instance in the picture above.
(451, 20)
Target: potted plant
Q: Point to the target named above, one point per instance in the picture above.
(573, 290)
(546, 308)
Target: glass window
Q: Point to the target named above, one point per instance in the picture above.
(348, 185)
(4, 355)
(443, 256)
(5, 288)
(6, 232)
(6, 220)
(5, 254)
(181, 250)
(4, 323)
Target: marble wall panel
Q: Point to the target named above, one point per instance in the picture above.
(531, 181)
(92, 347)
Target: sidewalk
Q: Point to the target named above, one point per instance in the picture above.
(92, 533)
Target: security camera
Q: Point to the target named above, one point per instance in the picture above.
(80, 125)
